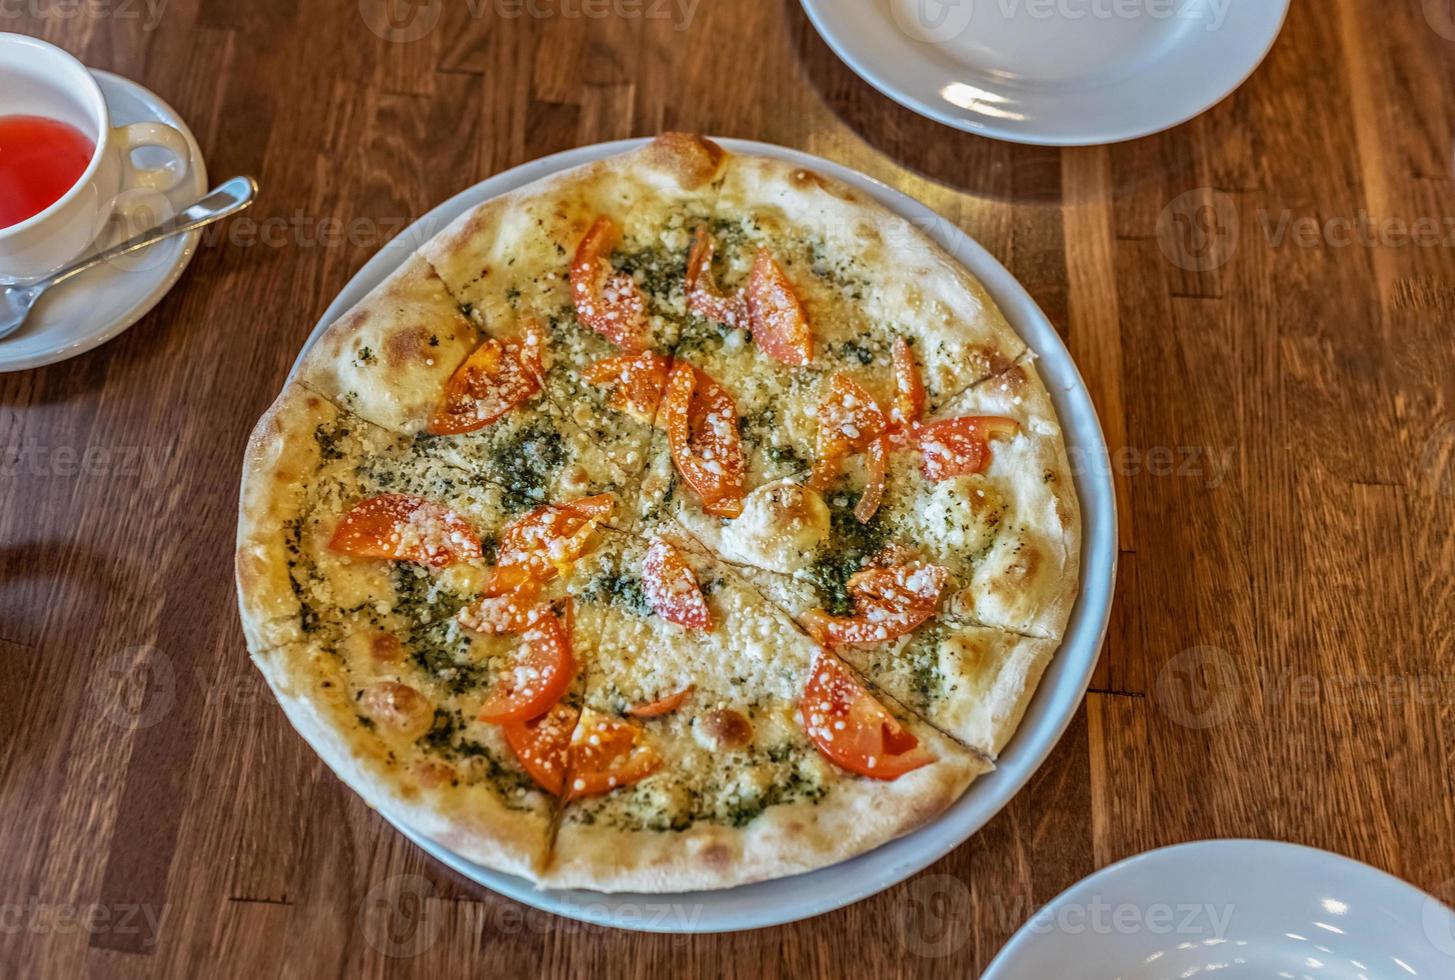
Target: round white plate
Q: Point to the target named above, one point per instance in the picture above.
(1052, 72)
(1235, 910)
(788, 899)
(102, 302)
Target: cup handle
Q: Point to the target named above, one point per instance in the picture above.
(169, 174)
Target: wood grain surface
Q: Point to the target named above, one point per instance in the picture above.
(1261, 301)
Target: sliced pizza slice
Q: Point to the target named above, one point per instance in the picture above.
(717, 744)
(345, 526)
(596, 255)
(396, 715)
(460, 727)
(390, 357)
(861, 275)
(970, 681)
(804, 293)
(407, 359)
(604, 244)
(984, 491)
(987, 492)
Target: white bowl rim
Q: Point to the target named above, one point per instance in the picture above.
(1232, 852)
(1056, 701)
(840, 43)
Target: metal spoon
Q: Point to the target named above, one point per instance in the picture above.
(227, 198)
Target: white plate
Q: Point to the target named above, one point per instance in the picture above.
(1052, 72)
(100, 303)
(788, 899)
(1235, 910)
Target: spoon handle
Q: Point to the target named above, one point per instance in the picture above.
(227, 198)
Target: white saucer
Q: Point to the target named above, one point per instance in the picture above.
(1052, 72)
(102, 302)
(1235, 910)
(801, 896)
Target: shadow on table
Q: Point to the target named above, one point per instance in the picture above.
(45, 585)
(963, 161)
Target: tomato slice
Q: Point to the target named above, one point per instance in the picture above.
(543, 670)
(406, 528)
(767, 305)
(672, 588)
(498, 376)
(910, 582)
(888, 603)
(606, 754)
(544, 542)
(954, 447)
(909, 391)
(702, 432)
(873, 494)
(635, 382)
(852, 729)
(542, 743)
(775, 316)
(849, 421)
(608, 302)
(661, 706)
(702, 295)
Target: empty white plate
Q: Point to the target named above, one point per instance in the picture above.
(1052, 72)
(1235, 910)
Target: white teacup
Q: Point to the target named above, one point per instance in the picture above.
(39, 79)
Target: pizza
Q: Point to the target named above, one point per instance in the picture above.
(678, 521)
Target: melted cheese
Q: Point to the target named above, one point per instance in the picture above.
(960, 516)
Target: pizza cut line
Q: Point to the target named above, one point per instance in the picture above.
(678, 521)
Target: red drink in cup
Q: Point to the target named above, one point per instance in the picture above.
(40, 159)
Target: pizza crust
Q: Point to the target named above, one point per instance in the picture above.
(473, 823)
(281, 457)
(1029, 581)
(858, 815)
(971, 682)
(389, 357)
(538, 226)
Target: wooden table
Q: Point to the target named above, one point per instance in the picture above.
(1261, 301)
